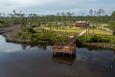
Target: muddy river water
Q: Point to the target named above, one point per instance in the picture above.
(19, 60)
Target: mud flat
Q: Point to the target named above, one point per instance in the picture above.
(10, 33)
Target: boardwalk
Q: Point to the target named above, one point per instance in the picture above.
(67, 47)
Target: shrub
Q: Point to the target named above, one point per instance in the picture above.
(96, 38)
(48, 36)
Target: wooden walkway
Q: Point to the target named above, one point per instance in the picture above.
(67, 47)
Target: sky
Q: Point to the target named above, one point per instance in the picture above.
(45, 7)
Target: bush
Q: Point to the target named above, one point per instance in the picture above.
(96, 38)
(48, 36)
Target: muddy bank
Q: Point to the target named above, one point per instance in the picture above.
(11, 30)
(10, 33)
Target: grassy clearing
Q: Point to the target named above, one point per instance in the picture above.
(99, 32)
(74, 30)
(69, 31)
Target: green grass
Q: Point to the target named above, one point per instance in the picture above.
(74, 30)
(99, 32)
(97, 38)
(69, 31)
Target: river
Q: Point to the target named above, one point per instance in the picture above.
(19, 60)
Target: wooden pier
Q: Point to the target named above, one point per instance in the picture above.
(68, 47)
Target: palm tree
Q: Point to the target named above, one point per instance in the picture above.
(102, 12)
(0, 14)
(91, 12)
(69, 15)
(62, 18)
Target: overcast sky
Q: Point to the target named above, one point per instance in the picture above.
(54, 6)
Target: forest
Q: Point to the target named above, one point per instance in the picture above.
(34, 26)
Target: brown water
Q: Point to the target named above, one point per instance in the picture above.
(18, 60)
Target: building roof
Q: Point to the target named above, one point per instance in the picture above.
(82, 21)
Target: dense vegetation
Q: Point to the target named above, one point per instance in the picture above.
(60, 19)
(31, 21)
(42, 37)
(112, 22)
(96, 38)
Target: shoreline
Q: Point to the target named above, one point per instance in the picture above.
(96, 45)
(20, 41)
(10, 34)
(100, 45)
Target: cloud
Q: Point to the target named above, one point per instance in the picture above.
(53, 6)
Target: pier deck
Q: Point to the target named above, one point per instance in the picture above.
(68, 47)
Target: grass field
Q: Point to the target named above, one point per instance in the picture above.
(74, 30)
(70, 31)
(100, 32)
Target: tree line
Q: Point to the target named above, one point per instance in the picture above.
(60, 19)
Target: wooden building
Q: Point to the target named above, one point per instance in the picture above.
(82, 24)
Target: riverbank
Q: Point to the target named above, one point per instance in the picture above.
(25, 61)
(10, 33)
(99, 41)
(16, 34)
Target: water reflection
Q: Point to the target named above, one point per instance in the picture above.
(13, 47)
(113, 62)
(102, 57)
(39, 61)
(43, 46)
(63, 59)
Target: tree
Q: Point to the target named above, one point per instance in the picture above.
(58, 14)
(99, 12)
(112, 22)
(91, 12)
(102, 11)
(113, 15)
(112, 25)
(69, 18)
